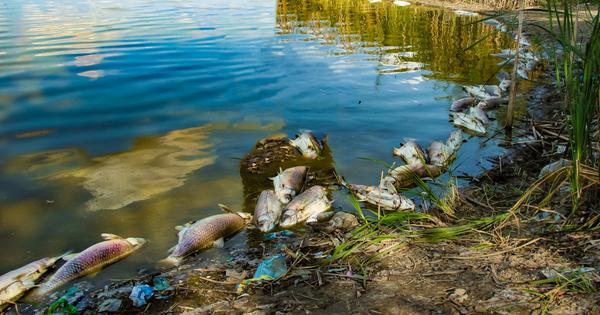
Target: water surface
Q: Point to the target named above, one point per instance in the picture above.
(130, 117)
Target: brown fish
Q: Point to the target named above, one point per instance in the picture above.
(206, 233)
(92, 260)
(462, 103)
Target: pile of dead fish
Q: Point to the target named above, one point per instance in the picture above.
(416, 164)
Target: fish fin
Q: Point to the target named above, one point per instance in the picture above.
(170, 261)
(390, 188)
(69, 256)
(301, 206)
(225, 208)
(179, 227)
(220, 243)
(325, 139)
(172, 249)
(312, 218)
(108, 236)
(93, 274)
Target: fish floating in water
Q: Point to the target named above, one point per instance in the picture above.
(288, 183)
(469, 123)
(492, 103)
(306, 207)
(455, 140)
(389, 199)
(16, 283)
(308, 145)
(439, 153)
(267, 212)
(92, 260)
(463, 103)
(208, 232)
(410, 152)
(483, 91)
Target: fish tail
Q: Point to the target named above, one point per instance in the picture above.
(170, 261)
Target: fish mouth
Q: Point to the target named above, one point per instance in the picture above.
(264, 226)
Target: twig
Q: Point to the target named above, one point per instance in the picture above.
(494, 254)
(379, 203)
(442, 273)
(11, 302)
(219, 282)
(308, 297)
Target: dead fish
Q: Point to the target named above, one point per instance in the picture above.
(439, 154)
(522, 73)
(469, 123)
(289, 183)
(455, 140)
(92, 260)
(478, 113)
(503, 75)
(491, 22)
(532, 65)
(402, 176)
(505, 85)
(205, 233)
(462, 103)
(267, 212)
(306, 207)
(504, 55)
(308, 145)
(483, 91)
(492, 103)
(16, 283)
(410, 152)
(507, 63)
(389, 199)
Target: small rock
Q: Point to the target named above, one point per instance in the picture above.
(111, 305)
(343, 221)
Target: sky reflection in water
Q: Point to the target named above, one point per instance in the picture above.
(140, 109)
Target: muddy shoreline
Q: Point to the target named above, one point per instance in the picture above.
(450, 277)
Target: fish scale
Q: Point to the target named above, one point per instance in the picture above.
(91, 260)
(204, 233)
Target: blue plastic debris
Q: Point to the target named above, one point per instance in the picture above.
(280, 234)
(161, 283)
(140, 294)
(273, 267)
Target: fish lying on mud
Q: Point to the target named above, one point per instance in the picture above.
(289, 183)
(206, 233)
(92, 260)
(439, 154)
(402, 176)
(463, 103)
(16, 283)
(389, 199)
(267, 212)
(308, 145)
(410, 152)
(306, 207)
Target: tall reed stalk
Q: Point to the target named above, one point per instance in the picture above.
(578, 74)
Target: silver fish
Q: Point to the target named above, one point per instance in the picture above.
(439, 153)
(503, 75)
(469, 123)
(505, 85)
(492, 103)
(306, 207)
(92, 260)
(462, 103)
(267, 212)
(205, 233)
(455, 140)
(522, 73)
(16, 283)
(483, 91)
(478, 113)
(410, 152)
(289, 183)
(308, 145)
(389, 198)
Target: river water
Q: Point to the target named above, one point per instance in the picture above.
(130, 117)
